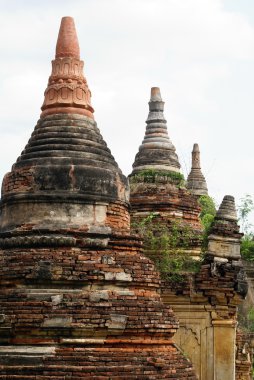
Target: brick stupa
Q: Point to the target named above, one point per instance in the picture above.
(157, 186)
(78, 299)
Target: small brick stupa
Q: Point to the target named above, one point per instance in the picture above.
(224, 238)
(196, 182)
(78, 299)
(157, 186)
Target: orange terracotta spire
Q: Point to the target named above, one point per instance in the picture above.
(67, 43)
(67, 90)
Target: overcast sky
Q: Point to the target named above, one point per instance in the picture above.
(199, 52)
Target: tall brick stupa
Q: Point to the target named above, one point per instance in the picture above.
(157, 187)
(78, 299)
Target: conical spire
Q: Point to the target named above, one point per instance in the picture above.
(157, 151)
(67, 42)
(67, 90)
(196, 182)
(66, 158)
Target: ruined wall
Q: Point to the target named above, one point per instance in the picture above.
(244, 355)
(245, 335)
(85, 311)
(206, 302)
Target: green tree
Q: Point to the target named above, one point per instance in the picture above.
(208, 212)
(167, 244)
(207, 206)
(244, 209)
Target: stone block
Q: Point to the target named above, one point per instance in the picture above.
(58, 322)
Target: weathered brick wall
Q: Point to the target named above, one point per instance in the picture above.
(85, 312)
(105, 363)
(167, 199)
(118, 216)
(170, 206)
(244, 355)
(216, 284)
(20, 180)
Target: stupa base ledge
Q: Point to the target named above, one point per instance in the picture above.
(68, 110)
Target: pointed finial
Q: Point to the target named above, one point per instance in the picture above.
(67, 90)
(155, 94)
(227, 209)
(67, 42)
(196, 156)
(196, 182)
(156, 103)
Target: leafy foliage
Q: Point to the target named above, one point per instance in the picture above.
(207, 206)
(150, 175)
(208, 212)
(247, 247)
(244, 209)
(246, 319)
(166, 245)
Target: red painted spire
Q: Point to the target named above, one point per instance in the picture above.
(67, 90)
(67, 42)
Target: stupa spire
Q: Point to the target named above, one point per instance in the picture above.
(196, 157)
(196, 182)
(66, 158)
(67, 90)
(157, 151)
(155, 97)
(67, 42)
